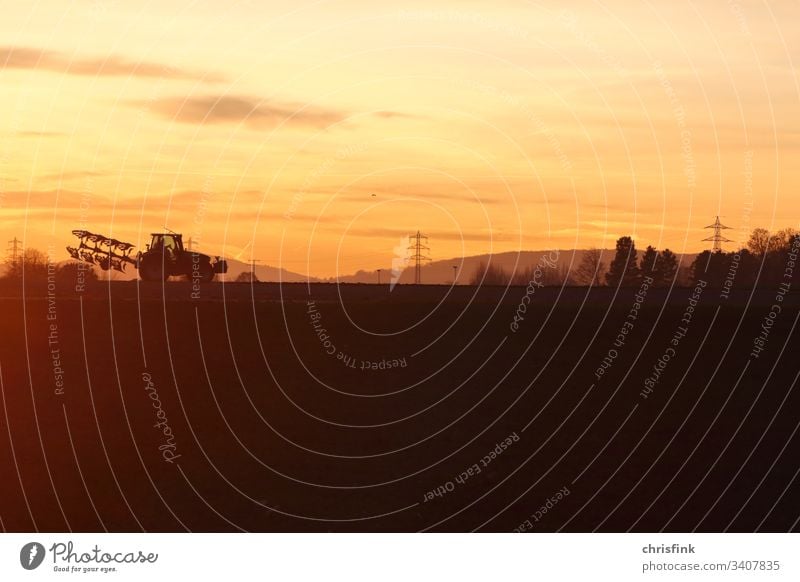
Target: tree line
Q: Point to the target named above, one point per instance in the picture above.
(763, 259)
(32, 266)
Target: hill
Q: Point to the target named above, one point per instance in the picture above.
(441, 271)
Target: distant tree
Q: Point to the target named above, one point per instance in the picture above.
(478, 274)
(623, 270)
(700, 267)
(496, 275)
(590, 269)
(490, 275)
(648, 264)
(565, 276)
(543, 273)
(762, 262)
(778, 249)
(747, 265)
(794, 243)
(31, 264)
(666, 267)
(769, 251)
(792, 247)
(246, 277)
(71, 273)
(523, 276)
(781, 240)
(758, 243)
(712, 268)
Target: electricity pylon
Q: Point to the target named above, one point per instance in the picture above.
(717, 238)
(14, 248)
(418, 257)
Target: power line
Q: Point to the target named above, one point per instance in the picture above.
(418, 257)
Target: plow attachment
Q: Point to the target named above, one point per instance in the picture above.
(107, 253)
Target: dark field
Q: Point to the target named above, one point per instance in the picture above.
(267, 431)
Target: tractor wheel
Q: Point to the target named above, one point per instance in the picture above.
(151, 269)
(206, 272)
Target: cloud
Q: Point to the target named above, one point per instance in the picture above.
(112, 66)
(384, 194)
(231, 109)
(40, 134)
(74, 175)
(393, 115)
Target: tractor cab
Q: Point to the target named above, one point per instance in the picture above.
(170, 243)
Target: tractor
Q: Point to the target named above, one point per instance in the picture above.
(164, 257)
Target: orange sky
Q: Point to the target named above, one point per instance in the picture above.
(263, 130)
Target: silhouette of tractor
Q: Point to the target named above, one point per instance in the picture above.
(164, 257)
